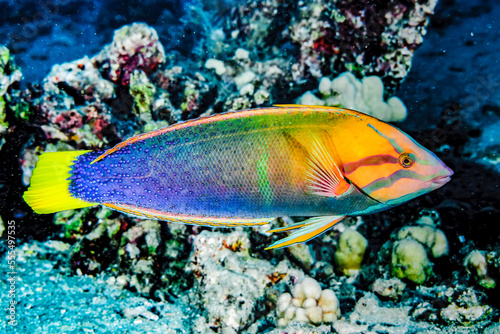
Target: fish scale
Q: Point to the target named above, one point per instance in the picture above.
(245, 168)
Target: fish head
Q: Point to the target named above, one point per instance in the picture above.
(394, 168)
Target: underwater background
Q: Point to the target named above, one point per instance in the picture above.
(87, 75)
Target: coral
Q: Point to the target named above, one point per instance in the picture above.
(230, 281)
(350, 251)
(454, 305)
(309, 99)
(73, 222)
(390, 288)
(363, 37)
(255, 82)
(183, 96)
(302, 253)
(465, 310)
(217, 65)
(142, 90)
(477, 265)
(3, 124)
(134, 46)
(138, 248)
(79, 107)
(365, 95)
(426, 232)
(433, 238)
(80, 80)
(241, 54)
(413, 246)
(30, 157)
(244, 78)
(191, 97)
(308, 303)
(410, 261)
(9, 74)
(261, 96)
(73, 103)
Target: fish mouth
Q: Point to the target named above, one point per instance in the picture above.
(442, 179)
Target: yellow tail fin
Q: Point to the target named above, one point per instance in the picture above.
(49, 184)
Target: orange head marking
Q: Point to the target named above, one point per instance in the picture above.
(394, 168)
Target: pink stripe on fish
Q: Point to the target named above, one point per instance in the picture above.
(370, 161)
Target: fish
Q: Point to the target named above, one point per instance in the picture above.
(247, 168)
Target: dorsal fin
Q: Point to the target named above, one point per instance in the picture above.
(277, 110)
(307, 106)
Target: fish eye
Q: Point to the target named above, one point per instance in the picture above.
(406, 161)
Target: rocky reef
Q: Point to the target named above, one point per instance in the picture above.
(430, 265)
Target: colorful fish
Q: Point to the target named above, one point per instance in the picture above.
(247, 168)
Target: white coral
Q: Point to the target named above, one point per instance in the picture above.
(366, 96)
(308, 303)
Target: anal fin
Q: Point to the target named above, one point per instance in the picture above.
(288, 227)
(145, 213)
(310, 229)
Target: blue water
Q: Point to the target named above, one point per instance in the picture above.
(44, 33)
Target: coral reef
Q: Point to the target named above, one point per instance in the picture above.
(230, 282)
(433, 238)
(135, 46)
(362, 37)
(465, 309)
(142, 90)
(73, 103)
(9, 75)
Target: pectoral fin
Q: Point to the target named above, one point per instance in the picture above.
(310, 229)
(324, 175)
